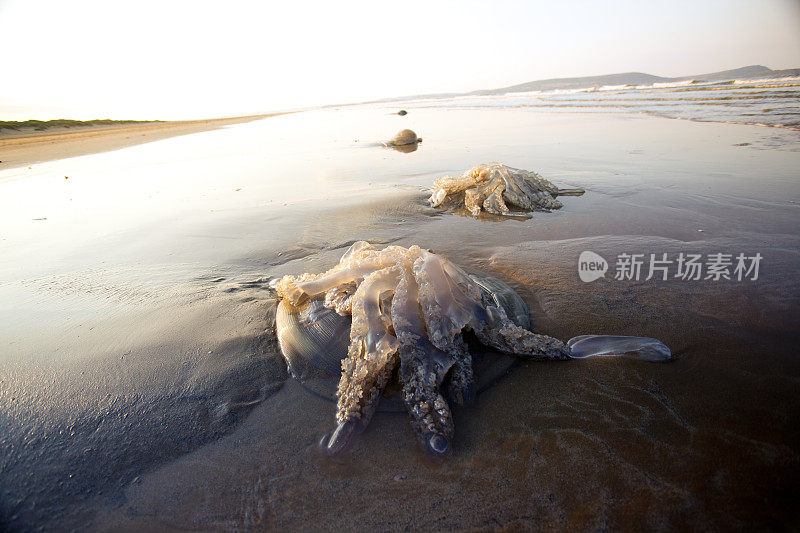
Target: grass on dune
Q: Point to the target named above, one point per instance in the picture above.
(41, 125)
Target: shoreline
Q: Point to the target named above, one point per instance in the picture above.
(20, 149)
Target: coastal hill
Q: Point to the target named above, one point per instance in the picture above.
(624, 78)
(638, 78)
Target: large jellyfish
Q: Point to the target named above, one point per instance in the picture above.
(409, 309)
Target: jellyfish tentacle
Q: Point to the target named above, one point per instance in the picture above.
(447, 185)
(494, 196)
(431, 418)
(488, 195)
(502, 333)
(535, 194)
(298, 291)
(473, 199)
(359, 261)
(358, 248)
(540, 191)
(371, 355)
(341, 298)
(545, 200)
(448, 298)
(423, 368)
(536, 180)
(517, 192)
(514, 195)
(460, 387)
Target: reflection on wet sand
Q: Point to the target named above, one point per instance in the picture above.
(405, 148)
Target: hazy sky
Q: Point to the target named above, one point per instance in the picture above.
(192, 59)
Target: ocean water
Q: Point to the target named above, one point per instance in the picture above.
(763, 101)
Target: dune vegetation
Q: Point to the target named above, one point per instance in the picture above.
(41, 125)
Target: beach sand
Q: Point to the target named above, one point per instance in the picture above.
(144, 388)
(26, 147)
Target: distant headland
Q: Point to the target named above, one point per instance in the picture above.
(623, 78)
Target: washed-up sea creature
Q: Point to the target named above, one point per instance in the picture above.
(314, 340)
(409, 308)
(491, 187)
(405, 141)
(404, 137)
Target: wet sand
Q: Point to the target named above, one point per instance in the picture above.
(144, 388)
(19, 148)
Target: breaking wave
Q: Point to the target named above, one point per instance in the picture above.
(761, 101)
